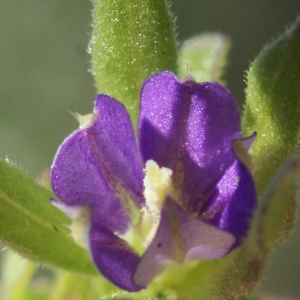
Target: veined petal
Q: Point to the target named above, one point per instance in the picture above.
(114, 145)
(233, 201)
(162, 104)
(188, 127)
(99, 166)
(114, 258)
(180, 236)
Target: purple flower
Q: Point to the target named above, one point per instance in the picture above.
(193, 200)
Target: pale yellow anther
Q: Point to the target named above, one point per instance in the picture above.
(80, 227)
(158, 185)
(84, 121)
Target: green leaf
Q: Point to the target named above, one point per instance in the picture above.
(273, 105)
(34, 228)
(131, 40)
(204, 57)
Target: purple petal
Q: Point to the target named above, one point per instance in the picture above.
(188, 127)
(233, 202)
(99, 166)
(114, 144)
(162, 104)
(180, 236)
(114, 258)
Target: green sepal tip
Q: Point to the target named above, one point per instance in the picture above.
(204, 57)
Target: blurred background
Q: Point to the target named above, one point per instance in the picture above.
(44, 74)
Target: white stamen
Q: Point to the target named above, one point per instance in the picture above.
(158, 185)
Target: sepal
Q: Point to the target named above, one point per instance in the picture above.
(131, 40)
(204, 57)
(272, 105)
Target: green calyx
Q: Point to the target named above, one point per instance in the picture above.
(273, 105)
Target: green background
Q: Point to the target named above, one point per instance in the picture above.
(44, 74)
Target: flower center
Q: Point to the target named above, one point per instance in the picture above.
(158, 184)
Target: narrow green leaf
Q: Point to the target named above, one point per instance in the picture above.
(204, 57)
(131, 40)
(35, 229)
(273, 105)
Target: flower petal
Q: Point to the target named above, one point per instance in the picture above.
(114, 258)
(99, 166)
(232, 204)
(180, 236)
(114, 144)
(162, 104)
(188, 127)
